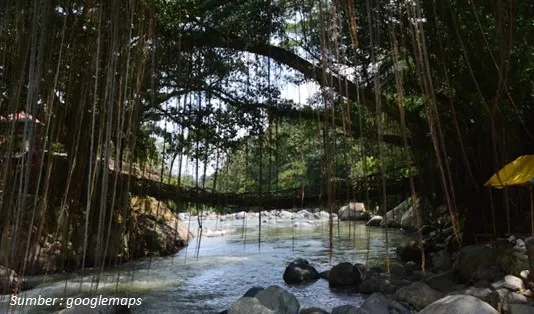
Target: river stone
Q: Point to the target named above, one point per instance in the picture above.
(313, 310)
(249, 305)
(279, 300)
(344, 274)
(513, 283)
(376, 303)
(252, 291)
(374, 221)
(299, 271)
(418, 295)
(373, 285)
(471, 257)
(352, 211)
(442, 260)
(346, 309)
(518, 308)
(459, 304)
(487, 295)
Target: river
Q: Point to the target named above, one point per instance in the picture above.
(227, 266)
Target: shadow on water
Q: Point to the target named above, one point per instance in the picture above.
(227, 267)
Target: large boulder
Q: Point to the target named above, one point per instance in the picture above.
(459, 304)
(470, 258)
(158, 229)
(376, 303)
(375, 221)
(271, 300)
(299, 271)
(345, 274)
(407, 221)
(394, 216)
(418, 295)
(352, 211)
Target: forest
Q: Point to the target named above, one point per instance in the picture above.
(259, 96)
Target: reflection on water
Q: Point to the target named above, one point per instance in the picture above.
(228, 266)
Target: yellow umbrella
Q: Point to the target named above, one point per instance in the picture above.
(519, 172)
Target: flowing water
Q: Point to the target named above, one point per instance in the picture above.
(227, 266)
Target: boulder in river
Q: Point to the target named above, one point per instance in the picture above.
(375, 221)
(459, 304)
(352, 211)
(394, 216)
(271, 300)
(299, 271)
(410, 251)
(345, 274)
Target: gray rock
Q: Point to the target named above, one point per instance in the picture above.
(487, 295)
(513, 283)
(300, 271)
(441, 283)
(346, 309)
(279, 300)
(418, 295)
(521, 309)
(372, 285)
(524, 275)
(490, 273)
(442, 260)
(345, 274)
(471, 257)
(375, 221)
(249, 305)
(252, 291)
(376, 303)
(353, 211)
(459, 304)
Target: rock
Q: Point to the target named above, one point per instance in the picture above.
(376, 303)
(158, 230)
(442, 260)
(9, 280)
(324, 274)
(513, 283)
(487, 295)
(407, 221)
(394, 216)
(284, 214)
(322, 215)
(459, 304)
(240, 215)
(252, 292)
(525, 275)
(375, 221)
(300, 271)
(409, 252)
(397, 308)
(278, 300)
(249, 305)
(346, 309)
(521, 308)
(352, 211)
(345, 274)
(304, 214)
(471, 257)
(313, 310)
(372, 285)
(488, 274)
(441, 283)
(418, 295)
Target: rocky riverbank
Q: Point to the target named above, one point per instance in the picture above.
(152, 229)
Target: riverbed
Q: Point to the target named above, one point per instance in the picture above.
(209, 278)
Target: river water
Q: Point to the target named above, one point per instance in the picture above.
(226, 267)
